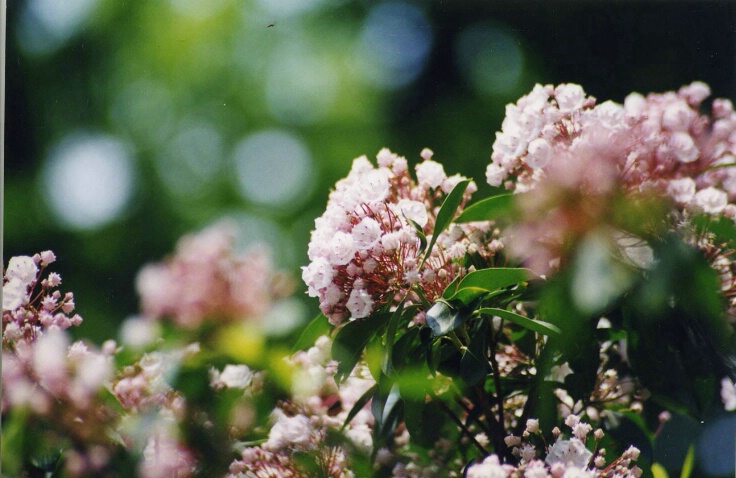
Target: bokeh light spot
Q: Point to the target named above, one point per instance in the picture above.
(145, 109)
(300, 88)
(273, 168)
(394, 44)
(490, 58)
(289, 8)
(44, 25)
(88, 180)
(198, 8)
(192, 160)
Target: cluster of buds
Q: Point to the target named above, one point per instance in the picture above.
(31, 305)
(566, 457)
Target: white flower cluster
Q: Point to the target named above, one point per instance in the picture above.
(565, 458)
(657, 143)
(365, 247)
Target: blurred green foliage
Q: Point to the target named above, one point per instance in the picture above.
(180, 84)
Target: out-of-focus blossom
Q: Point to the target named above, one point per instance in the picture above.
(728, 394)
(578, 156)
(62, 385)
(317, 407)
(208, 279)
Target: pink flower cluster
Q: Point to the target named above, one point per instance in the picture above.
(30, 304)
(61, 383)
(578, 157)
(365, 250)
(301, 425)
(658, 143)
(208, 279)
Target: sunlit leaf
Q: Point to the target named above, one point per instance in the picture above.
(489, 209)
(494, 278)
(538, 326)
(689, 463)
(659, 471)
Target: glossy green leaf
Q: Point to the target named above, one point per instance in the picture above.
(474, 365)
(447, 213)
(318, 327)
(468, 294)
(393, 325)
(406, 347)
(489, 209)
(387, 409)
(420, 234)
(494, 278)
(538, 326)
(443, 318)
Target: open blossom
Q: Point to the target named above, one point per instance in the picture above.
(578, 156)
(650, 141)
(208, 278)
(365, 250)
(30, 303)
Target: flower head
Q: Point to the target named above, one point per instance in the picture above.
(366, 249)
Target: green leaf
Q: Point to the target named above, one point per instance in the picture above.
(687, 466)
(443, 318)
(659, 471)
(14, 436)
(424, 421)
(494, 278)
(538, 326)
(318, 327)
(359, 404)
(468, 294)
(405, 348)
(420, 234)
(387, 409)
(488, 209)
(446, 213)
(350, 341)
(393, 325)
(474, 365)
